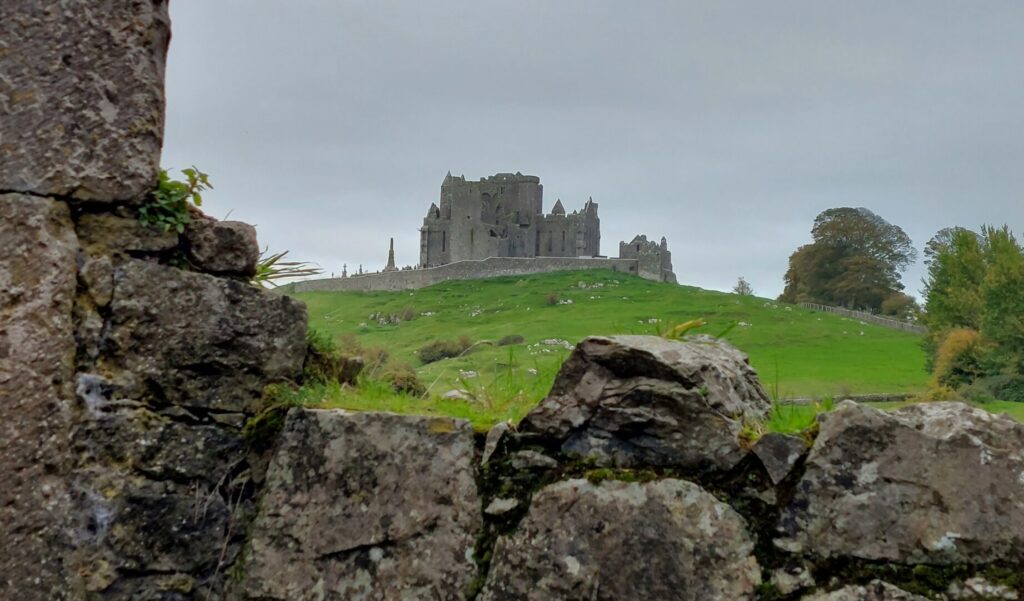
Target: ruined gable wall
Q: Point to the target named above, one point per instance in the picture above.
(655, 260)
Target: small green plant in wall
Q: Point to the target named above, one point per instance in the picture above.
(167, 208)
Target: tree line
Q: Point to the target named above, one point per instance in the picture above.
(973, 294)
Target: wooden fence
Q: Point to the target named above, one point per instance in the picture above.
(887, 322)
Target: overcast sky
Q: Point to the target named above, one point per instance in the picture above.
(724, 126)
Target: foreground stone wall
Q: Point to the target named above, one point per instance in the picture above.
(640, 477)
(130, 358)
(463, 270)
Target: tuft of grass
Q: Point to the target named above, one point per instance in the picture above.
(270, 269)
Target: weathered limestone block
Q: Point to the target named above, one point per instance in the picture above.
(158, 448)
(668, 540)
(937, 483)
(37, 286)
(876, 591)
(978, 588)
(646, 401)
(160, 502)
(779, 454)
(102, 234)
(368, 506)
(227, 247)
(127, 524)
(82, 97)
(195, 340)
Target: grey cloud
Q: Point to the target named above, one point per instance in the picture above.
(725, 126)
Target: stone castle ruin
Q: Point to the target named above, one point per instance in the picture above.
(496, 227)
(502, 216)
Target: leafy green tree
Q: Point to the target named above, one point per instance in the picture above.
(855, 261)
(976, 283)
(956, 268)
(1002, 294)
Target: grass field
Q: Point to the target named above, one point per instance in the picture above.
(795, 351)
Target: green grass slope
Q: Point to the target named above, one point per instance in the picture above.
(796, 352)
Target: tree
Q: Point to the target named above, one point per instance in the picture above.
(1002, 293)
(942, 241)
(952, 289)
(743, 287)
(855, 261)
(902, 306)
(976, 283)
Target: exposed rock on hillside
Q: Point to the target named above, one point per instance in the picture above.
(666, 540)
(937, 483)
(642, 400)
(367, 506)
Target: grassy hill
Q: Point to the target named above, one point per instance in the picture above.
(796, 352)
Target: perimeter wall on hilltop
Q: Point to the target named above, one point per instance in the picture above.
(493, 267)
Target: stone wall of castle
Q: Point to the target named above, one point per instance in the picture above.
(411, 279)
(502, 216)
(577, 234)
(655, 260)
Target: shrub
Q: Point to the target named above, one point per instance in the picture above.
(978, 392)
(511, 339)
(325, 363)
(937, 393)
(1002, 387)
(958, 360)
(375, 358)
(407, 314)
(900, 305)
(1010, 388)
(443, 349)
(402, 379)
(552, 298)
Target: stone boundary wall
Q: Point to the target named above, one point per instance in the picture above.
(878, 397)
(466, 270)
(886, 322)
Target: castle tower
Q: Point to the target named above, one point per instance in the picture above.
(502, 216)
(391, 257)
